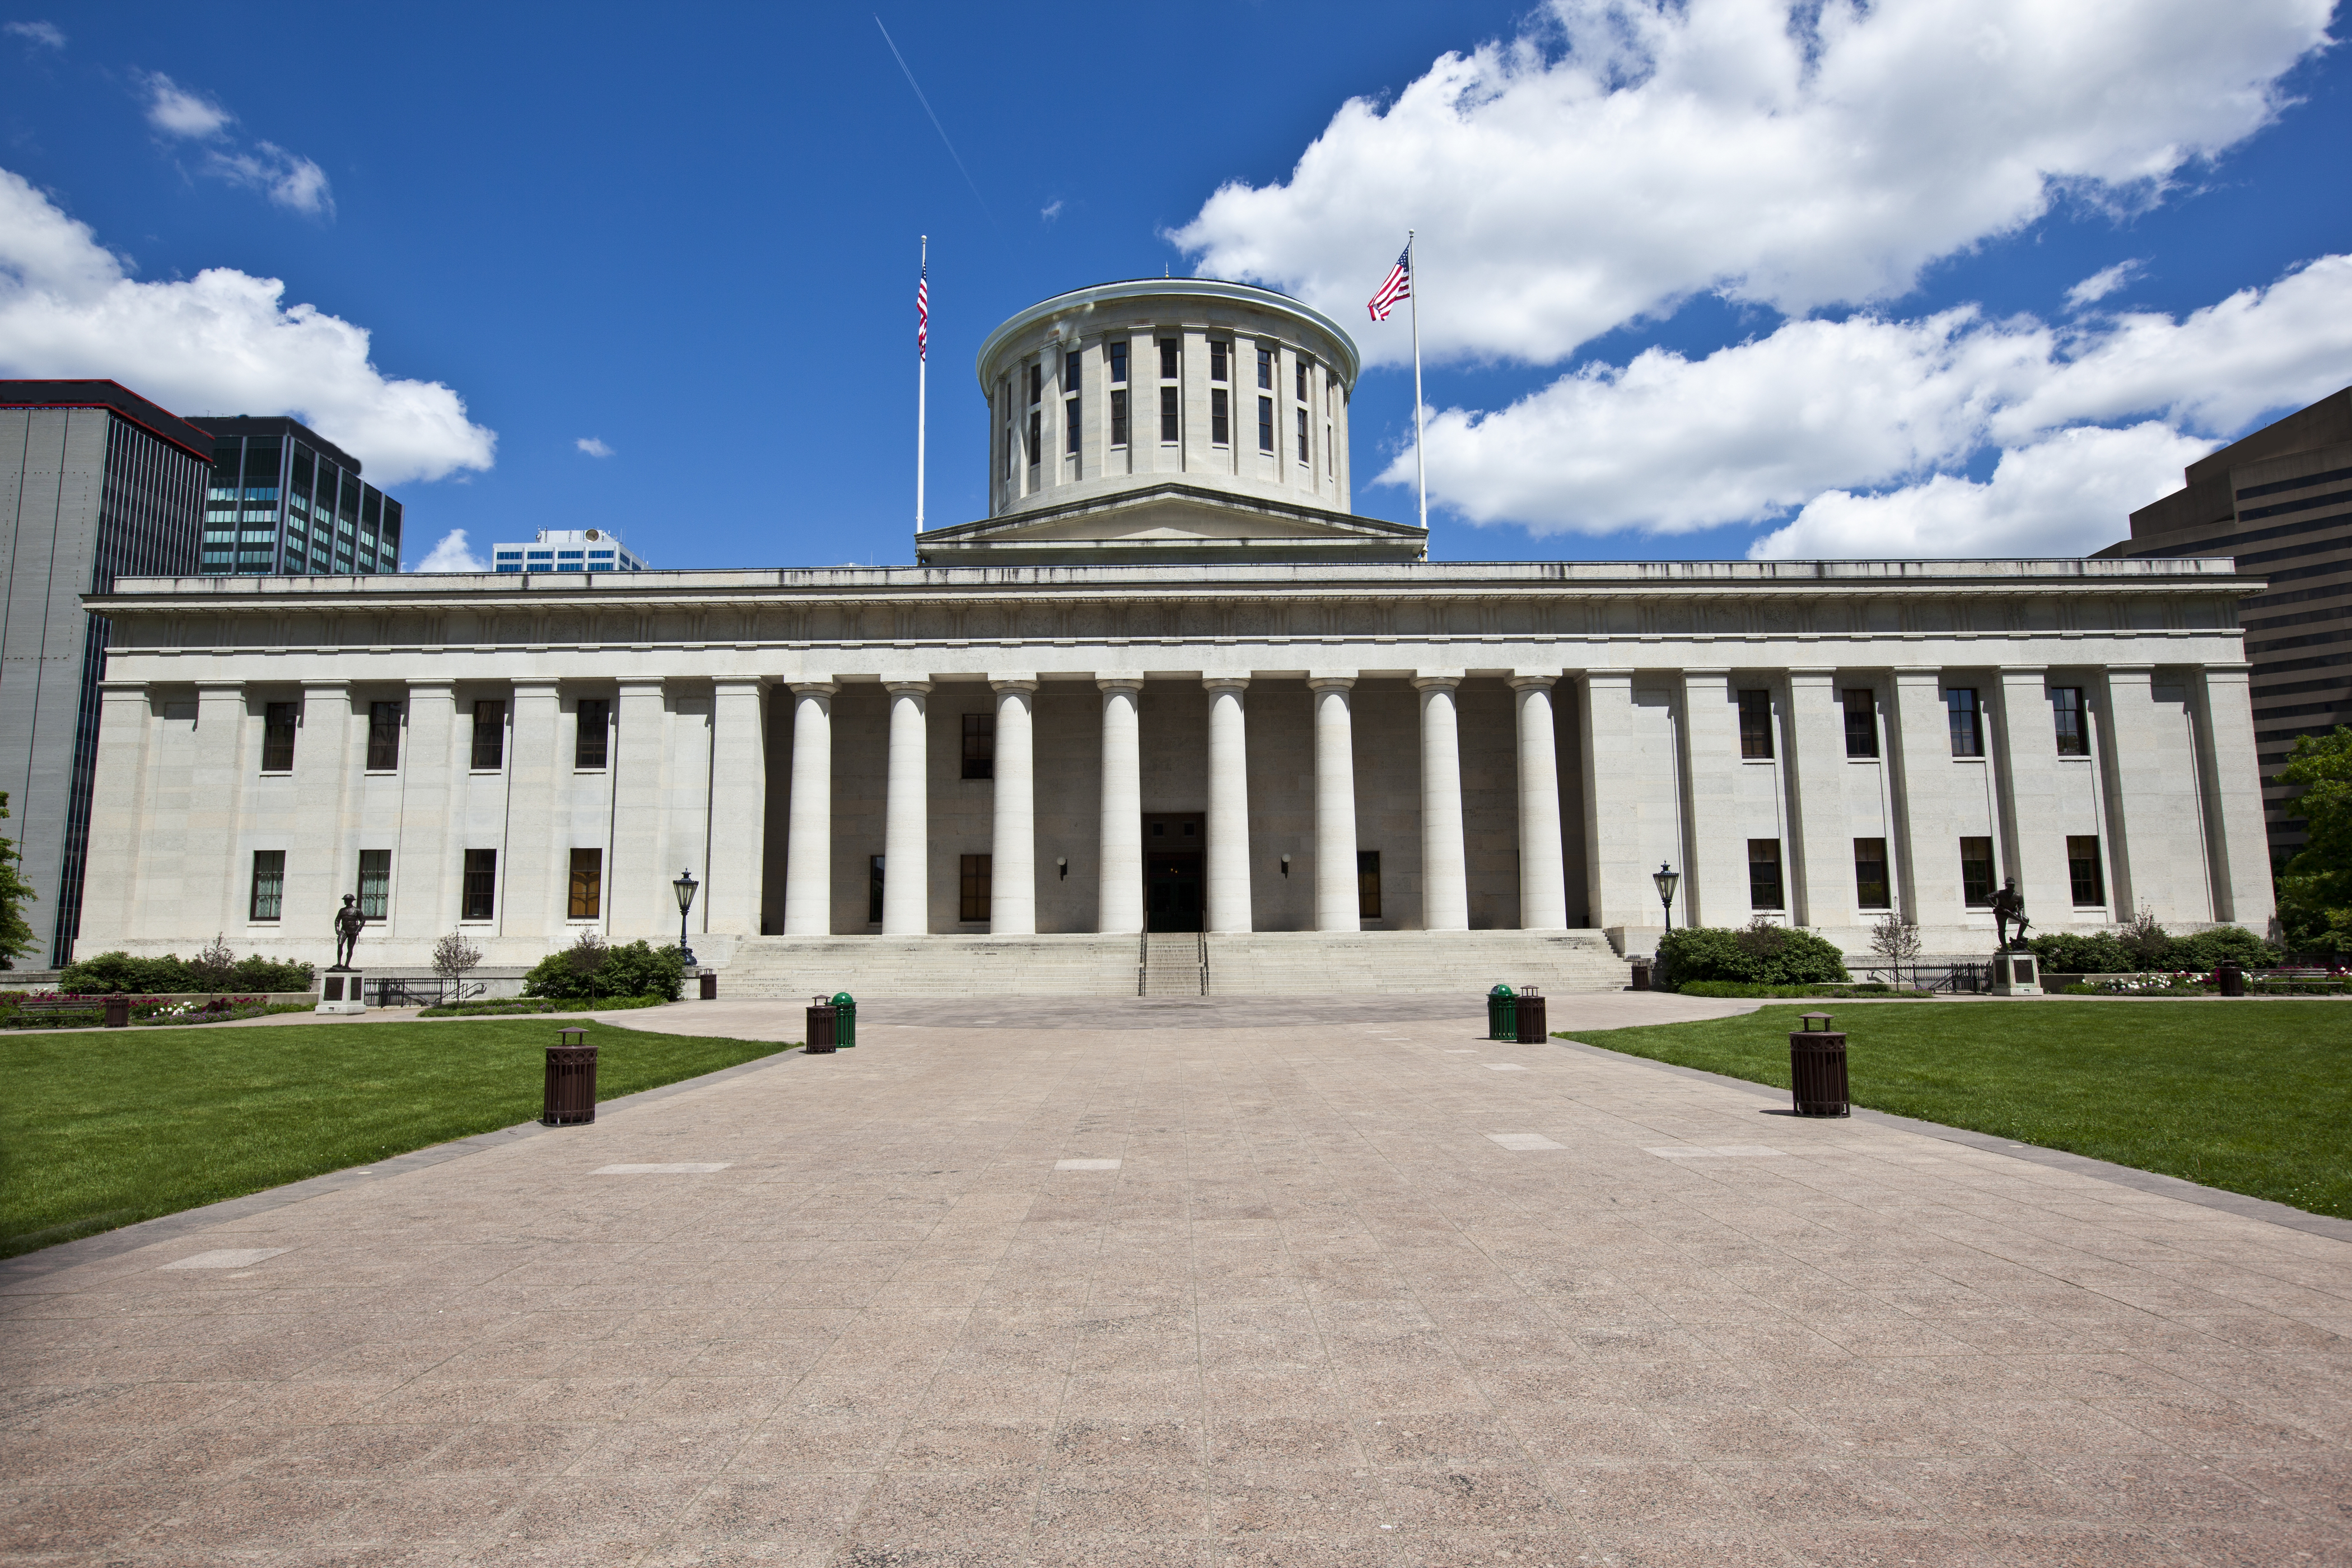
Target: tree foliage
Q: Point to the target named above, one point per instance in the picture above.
(454, 956)
(16, 937)
(2315, 889)
(1760, 953)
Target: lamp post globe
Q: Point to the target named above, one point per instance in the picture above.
(684, 887)
(1667, 879)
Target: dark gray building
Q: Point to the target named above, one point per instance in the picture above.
(96, 482)
(2279, 501)
(285, 501)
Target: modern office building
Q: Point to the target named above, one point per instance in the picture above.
(1174, 712)
(283, 501)
(573, 550)
(96, 482)
(2279, 503)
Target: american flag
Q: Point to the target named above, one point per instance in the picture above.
(923, 313)
(1397, 285)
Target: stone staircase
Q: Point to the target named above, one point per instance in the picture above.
(1260, 963)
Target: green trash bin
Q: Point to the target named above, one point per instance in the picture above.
(845, 1029)
(1502, 1014)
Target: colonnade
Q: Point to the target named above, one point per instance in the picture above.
(808, 886)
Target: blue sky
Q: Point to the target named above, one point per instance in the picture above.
(1698, 280)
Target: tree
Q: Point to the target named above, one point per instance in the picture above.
(454, 958)
(17, 937)
(2315, 889)
(2145, 940)
(1896, 941)
(213, 963)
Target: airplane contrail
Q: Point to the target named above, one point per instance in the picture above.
(935, 120)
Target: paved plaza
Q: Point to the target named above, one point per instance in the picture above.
(1105, 1284)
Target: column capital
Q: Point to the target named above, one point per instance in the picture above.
(1619, 678)
(1812, 672)
(220, 689)
(1445, 680)
(1330, 680)
(1119, 682)
(115, 686)
(546, 683)
(908, 688)
(2132, 672)
(1225, 682)
(725, 682)
(815, 688)
(640, 684)
(2227, 667)
(1523, 679)
(1022, 680)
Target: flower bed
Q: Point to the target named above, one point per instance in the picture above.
(506, 1007)
(146, 1011)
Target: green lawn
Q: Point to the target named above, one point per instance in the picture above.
(2254, 1097)
(99, 1127)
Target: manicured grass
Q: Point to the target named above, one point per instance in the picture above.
(2254, 1096)
(100, 1129)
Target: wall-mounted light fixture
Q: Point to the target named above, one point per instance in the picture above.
(1063, 865)
(1286, 864)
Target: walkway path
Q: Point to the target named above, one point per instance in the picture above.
(1357, 1288)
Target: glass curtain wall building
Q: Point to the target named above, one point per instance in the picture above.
(283, 501)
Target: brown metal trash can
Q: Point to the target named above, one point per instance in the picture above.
(571, 1080)
(1641, 975)
(1817, 1078)
(1532, 1028)
(822, 1016)
(2232, 979)
(118, 1011)
(709, 982)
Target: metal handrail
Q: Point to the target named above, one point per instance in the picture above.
(1204, 960)
(1143, 961)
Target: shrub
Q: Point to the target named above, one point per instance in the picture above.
(111, 973)
(2104, 952)
(631, 969)
(2068, 953)
(2222, 944)
(1759, 954)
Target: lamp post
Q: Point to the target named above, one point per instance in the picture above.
(1667, 878)
(684, 887)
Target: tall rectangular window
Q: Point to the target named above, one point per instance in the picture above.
(1171, 358)
(384, 737)
(1266, 368)
(1764, 874)
(489, 736)
(1119, 417)
(1072, 371)
(980, 745)
(1367, 884)
(1302, 367)
(587, 885)
(874, 890)
(1037, 437)
(1219, 356)
(278, 738)
(1966, 721)
(1070, 425)
(592, 745)
(375, 883)
(268, 884)
(1302, 435)
(1975, 873)
(1036, 384)
(1169, 428)
(1265, 425)
(1870, 885)
(480, 895)
(1860, 720)
(1221, 417)
(1756, 724)
(2066, 713)
(1118, 363)
(973, 905)
(2087, 871)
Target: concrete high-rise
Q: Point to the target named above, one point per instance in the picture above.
(96, 482)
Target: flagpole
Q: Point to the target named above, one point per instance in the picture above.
(1420, 457)
(922, 395)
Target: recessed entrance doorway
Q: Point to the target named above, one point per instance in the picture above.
(1173, 871)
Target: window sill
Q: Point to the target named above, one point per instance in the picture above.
(380, 773)
(1766, 762)
(591, 772)
(485, 772)
(277, 772)
(487, 922)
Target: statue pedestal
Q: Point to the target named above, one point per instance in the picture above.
(2015, 974)
(340, 991)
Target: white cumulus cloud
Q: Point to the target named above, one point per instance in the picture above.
(1818, 411)
(176, 110)
(48, 35)
(451, 555)
(221, 343)
(593, 447)
(287, 178)
(2102, 282)
(1623, 156)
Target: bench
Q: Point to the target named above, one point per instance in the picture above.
(27, 1012)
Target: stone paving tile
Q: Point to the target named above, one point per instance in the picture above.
(1315, 1315)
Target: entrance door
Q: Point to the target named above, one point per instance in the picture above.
(1172, 872)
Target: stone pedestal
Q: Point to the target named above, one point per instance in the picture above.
(2015, 974)
(340, 991)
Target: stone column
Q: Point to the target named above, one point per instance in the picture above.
(2153, 809)
(1120, 901)
(2233, 779)
(1444, 875)
(113, 909)
(1543, 883)
(322, 864)
(907, 831)
(1928, 861)
(1013, 841)
(1339, 898)
(2023, 741)
(423, 898)
(220, 863)
(1229, 847)
(739, 805)
(637, 869)
(1822, 853)
(808, 867)
(1714, 892)
(1617, 887)
(537, 873)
